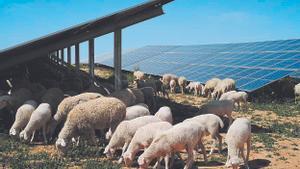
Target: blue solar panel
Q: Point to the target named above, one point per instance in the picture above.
(253, 65)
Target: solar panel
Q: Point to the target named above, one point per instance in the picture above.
(253, 65)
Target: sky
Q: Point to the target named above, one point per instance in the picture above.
(185, 22)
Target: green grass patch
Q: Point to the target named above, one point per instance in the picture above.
(281, 109)
(265, 139)
(286, 129)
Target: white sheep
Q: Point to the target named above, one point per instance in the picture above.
(210, 86)
(16, 99)
(139, 75)
(239, 133)
(172, 86)
(196, 86)
(53, 96)
(168, 77)
(100, 113)
(39, 119)
(22, 117)
(240, 98)
(133, 112)
(182, 83)
(124, 133)
(297, 92)
(143, 138)
(165, 114)
(223, 87)
(218, 107)
(185, 135)
(212, 123)
(66, 105)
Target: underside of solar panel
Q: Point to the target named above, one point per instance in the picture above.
(253, 65)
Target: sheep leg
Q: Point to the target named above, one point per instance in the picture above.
(167, 157)
(157, 164)
(190, 158)
(123, 151)
(44, 135)
(32, 137)
(248, 153)
(220, 142)
(172, 160)
(90, 133)
(203, 150)
(243, 155)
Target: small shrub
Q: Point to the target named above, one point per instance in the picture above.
(97, 164)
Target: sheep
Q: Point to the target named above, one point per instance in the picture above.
(238, 134)
(135, 111)
(218, 107)
(172, 85)
(184, 135)
(143, 138)
(139, 95)
(297, 92)
(210, 86)
(16, 99)
(22, 117)
(145, 83)
(211, 123)
(223, 87)
(53, 96)
(39, 119)
(149, 97)
(237, 97)
(161, 88)
(124, 133)
(182, 83)
(168, 77)
(196, 86)
(100, 113)
(165, 114)
(126, 96)
(66, 106)
(139, 75)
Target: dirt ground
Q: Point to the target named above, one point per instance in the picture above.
(275, 134)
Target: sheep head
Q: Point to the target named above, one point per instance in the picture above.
(143, 163)
(127, 158)
(234, 162)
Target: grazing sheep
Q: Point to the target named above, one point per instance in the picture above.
(22, 117)
(149, 97)
(144, 83)
(211, 123)
(53, 96)
(223, 87)
(185, 135)
(237, 97)
(210, 86)
(297, 92)
(135, 111)
(16, 99)
(218, 107)
(182, 83)
(168, 77)
(143, 138)
(172, 86)
(39, 119)
(165, 114)
(100, 113)
(139, 75)
(124, 133)
(66, 106)
(196, 86)
(126, 96)
(139, 95)
(238, 134)
(161, 88)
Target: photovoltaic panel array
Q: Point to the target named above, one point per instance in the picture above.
(253, 65)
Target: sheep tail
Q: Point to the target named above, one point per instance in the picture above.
(221, 122)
